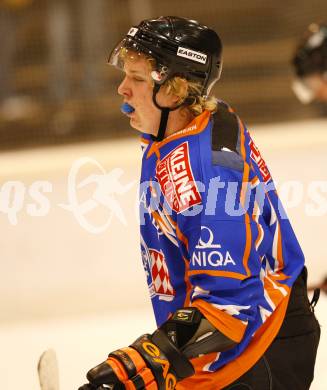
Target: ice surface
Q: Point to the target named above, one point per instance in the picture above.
(84, 294)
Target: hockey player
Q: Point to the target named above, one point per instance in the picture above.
(225, 271)
(310, 65)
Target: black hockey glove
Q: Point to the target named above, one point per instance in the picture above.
(160, 360)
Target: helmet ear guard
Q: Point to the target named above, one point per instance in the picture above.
(160, 75)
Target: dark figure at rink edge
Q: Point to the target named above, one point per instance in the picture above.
(310, 64)
(310, 84)
(225, 271)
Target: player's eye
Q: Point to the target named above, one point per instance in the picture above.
(138, 79)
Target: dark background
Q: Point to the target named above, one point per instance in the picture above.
(55, 86)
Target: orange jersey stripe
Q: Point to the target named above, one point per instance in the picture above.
(279, 258)
(279, 248)
(187, 284)
(245, 188)
(197, 125)
(145, 140)
(248, 242)
(224, 274)
(260, 236)
(245, 183)
(274, 294)
(279, 277)
(157, 217)
(181, 237)
(233, 370)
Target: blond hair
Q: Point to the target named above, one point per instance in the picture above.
(188, 92)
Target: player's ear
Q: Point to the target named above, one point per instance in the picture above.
(176, 89)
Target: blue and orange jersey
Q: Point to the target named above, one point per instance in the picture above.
(214, 235)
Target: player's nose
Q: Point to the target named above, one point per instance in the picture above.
(124, 89)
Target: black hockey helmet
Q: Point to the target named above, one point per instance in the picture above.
(179, 46)
(311, 53)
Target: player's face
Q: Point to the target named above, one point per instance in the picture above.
(136, 89)
(321, 94)
(318, 85)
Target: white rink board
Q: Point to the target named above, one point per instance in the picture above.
(78, 292)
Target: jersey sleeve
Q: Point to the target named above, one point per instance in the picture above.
(219, 257)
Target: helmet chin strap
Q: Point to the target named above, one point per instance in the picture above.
(164, 115)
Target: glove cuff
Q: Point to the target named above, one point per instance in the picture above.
(167, 363)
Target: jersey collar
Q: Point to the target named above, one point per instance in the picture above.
(198, 124)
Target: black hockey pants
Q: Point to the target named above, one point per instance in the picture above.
(288, 364)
